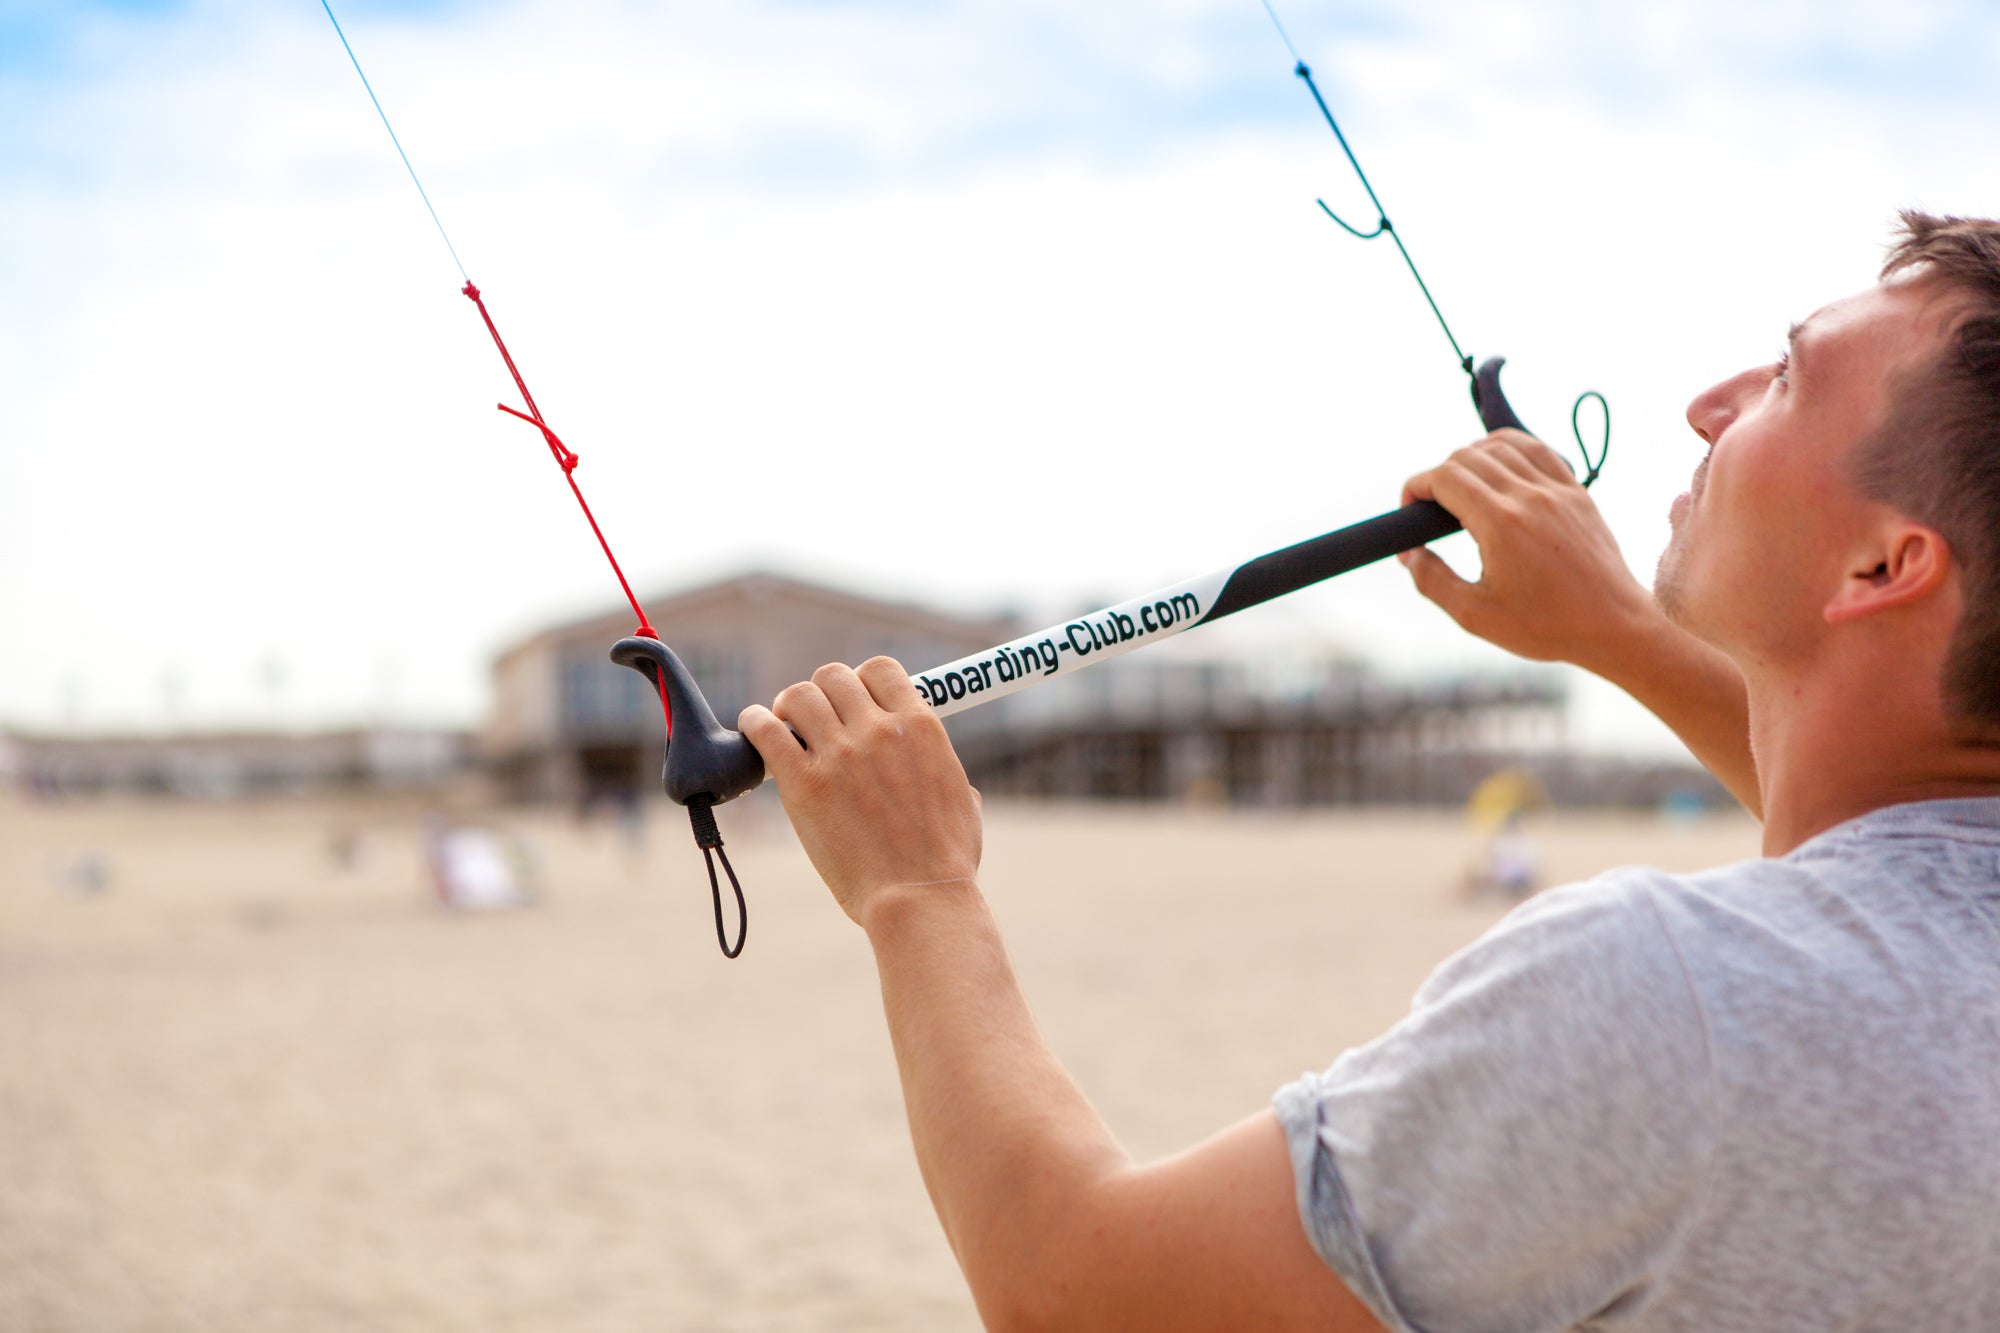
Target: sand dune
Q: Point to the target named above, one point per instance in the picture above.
(243, 1087)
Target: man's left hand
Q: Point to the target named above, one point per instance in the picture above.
(876, 793)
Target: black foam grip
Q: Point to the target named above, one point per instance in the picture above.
(1370, 540)
(1320, 558)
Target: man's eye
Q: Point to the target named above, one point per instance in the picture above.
(1784, 368)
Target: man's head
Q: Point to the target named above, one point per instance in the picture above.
(1859, 473)
(1938, 457)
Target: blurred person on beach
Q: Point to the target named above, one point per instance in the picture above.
(472, 869)
(1762, 1097)
(1498, 811)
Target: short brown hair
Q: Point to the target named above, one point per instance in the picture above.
(1938, 458)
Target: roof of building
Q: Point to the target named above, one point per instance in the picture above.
(759, 585)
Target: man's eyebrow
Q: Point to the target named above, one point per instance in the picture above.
(1792, 347)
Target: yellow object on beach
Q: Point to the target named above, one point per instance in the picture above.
(1502, 796)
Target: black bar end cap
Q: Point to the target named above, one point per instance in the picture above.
(1494, 410)
(704, 758)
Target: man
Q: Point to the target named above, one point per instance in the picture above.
(1766, 1097)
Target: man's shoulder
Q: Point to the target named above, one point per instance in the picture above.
(1858, 937)
(1599, 951)
(1902, 863)
(1642, 947)
(1656, 1078)
(1613, 912)
(1921, 873)
(1870, 917)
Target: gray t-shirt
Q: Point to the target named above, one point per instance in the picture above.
(1766, 1097)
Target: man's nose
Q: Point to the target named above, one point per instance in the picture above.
(1716, 407)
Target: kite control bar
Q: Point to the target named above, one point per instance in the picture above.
(708, 764)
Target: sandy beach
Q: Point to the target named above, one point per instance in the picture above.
(248, 1085)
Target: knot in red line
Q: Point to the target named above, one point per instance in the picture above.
(565, 457)
(567, 460)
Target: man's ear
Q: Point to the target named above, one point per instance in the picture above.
(1910, 563)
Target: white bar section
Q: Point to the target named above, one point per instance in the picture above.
(1069, 647)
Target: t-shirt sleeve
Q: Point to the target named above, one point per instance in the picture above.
(1525, 1148)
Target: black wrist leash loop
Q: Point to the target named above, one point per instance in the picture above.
(701, 813)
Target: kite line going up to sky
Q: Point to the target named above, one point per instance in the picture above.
(708, 764)
(707, 836)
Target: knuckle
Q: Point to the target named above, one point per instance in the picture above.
(791, 695)
(1555, 464)
(831, 671)
(1450, 479)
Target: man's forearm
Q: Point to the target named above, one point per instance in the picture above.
(1052, 1225)
(1005, 1139)
(1696, 691)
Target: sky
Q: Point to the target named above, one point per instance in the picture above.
(984, 305)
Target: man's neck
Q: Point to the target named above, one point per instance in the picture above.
(1838, 745)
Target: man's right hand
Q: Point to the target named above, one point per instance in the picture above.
(1553, 586)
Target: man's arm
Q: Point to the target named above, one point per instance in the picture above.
(1553, 586)
(1053, 1225)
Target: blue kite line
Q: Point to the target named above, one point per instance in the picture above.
(1283, 36)
(394, 140)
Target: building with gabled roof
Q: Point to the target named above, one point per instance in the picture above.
(566, 723)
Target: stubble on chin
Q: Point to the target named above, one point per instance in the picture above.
(1668, 594)
(1670, 576)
